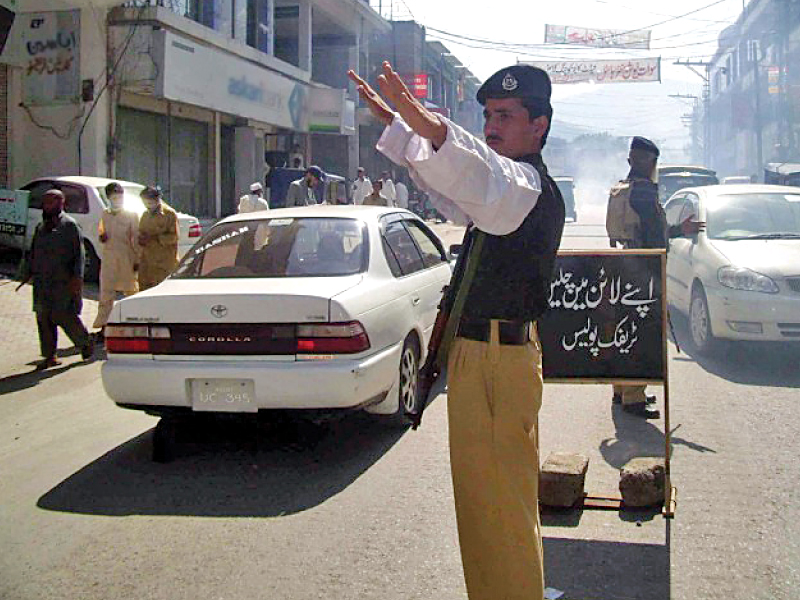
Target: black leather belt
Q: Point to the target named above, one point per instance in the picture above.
(512, 333)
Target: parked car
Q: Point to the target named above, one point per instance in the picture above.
(567, 187)
(736, 179)
(740, 278)
(322, 308)
(782, 174)
(85, 202)
(672, 178)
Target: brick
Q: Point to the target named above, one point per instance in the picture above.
(562, 478)
(641, 482)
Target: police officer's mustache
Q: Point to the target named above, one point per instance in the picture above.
(493, 138)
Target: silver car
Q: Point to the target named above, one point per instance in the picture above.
(740, 278)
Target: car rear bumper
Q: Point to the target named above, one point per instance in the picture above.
(740, 315)
(303, 384)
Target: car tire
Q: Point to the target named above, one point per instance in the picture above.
(91, 263)
(408, 400)
(164, 440)
(700, 322)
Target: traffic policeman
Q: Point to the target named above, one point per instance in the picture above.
(516, 215)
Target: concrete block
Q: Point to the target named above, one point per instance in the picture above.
(562, 478)
(641, 482)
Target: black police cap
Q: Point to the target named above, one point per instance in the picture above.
(640, 143)
(517, 81)
(316, 172)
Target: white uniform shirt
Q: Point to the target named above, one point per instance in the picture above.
(389, 191)
(465, 179)
(252, 203)
(401, 195)
(361, 189)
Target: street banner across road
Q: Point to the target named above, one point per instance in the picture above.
(597, 38)
(638, 70)
(13, 212)
(606, 320)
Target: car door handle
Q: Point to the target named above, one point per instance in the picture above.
(415, 300)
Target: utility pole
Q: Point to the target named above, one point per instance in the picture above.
(706, 77)
(755, 55)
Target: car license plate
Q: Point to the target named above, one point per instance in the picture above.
(223, 395)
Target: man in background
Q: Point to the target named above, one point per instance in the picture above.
(377, 198)
(361, 187)
(302, 192)
(401, 195)
(158, 239)
(254, 201)
(388, 187)
(56, 264)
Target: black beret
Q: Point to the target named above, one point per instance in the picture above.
(517, 81)
(316, 172)
(640, 143)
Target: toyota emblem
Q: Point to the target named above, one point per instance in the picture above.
(219, 311)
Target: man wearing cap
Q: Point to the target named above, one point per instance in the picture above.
(158, 239)
(254, 201)
(56, 265)
(362, 187)
(500, 287)
(302, 192)
(635, 219)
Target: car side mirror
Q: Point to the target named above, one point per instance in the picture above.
(455, 250)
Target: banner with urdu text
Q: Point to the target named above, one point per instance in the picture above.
(597, 38)
(638, 70)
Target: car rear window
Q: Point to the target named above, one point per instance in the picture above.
(278, 247)
(745, 215)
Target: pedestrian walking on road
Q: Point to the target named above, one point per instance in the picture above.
(376, 198)
(119, 232)
(388, 187)
(361, 187)
(401, 195)
(254, 201)
(55, 264)
(500, 288)
(158, 240)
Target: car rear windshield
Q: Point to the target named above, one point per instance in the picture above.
(669, 184)
(278, 247)
(743, 216)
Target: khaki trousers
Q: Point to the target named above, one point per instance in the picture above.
(631, 394)
(494, 396)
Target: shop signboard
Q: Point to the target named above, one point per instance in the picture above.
(50, 57)
(331, 112)
(13, 212)
(196, 74)
(636, 70)
(417, 84)
(597, 38)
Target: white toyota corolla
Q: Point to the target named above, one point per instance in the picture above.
(321, 307)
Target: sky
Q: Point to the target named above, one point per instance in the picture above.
(622, 108)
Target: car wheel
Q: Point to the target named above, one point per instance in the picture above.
(164, 441)
(408, 402)
(700, 322)
(91, 263)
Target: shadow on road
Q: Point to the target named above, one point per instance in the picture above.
(750, 363)
(637, 437)
(220, 471)
(595, 569)
(29, 379)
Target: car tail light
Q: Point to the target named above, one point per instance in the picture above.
(332, 338)
(137, 339)
(195, 230)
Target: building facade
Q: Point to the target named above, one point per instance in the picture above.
(754, 78)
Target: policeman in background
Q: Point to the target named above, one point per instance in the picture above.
(516, 215)
(158, 239)
(254, 201)
(635, 219)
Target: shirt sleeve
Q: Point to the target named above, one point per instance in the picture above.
(78, 252)
(465, 179)
(170, 237)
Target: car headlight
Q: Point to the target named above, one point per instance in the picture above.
(739, 278)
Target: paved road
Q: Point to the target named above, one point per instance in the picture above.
(358, 511)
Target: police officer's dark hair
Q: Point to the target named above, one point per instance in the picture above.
(537, 107)
(114, 188)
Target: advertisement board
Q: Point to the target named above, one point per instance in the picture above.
(13, 212)
(597, 38)
(637, 70)
(50, 57)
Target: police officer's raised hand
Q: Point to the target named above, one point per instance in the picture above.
(377, 105)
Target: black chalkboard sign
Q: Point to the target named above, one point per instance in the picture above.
(607, 318)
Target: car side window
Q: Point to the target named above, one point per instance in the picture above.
(76, 201)
(401, 250)
(689, 208)
(430, 247)
(37, 190)
(673, 210)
